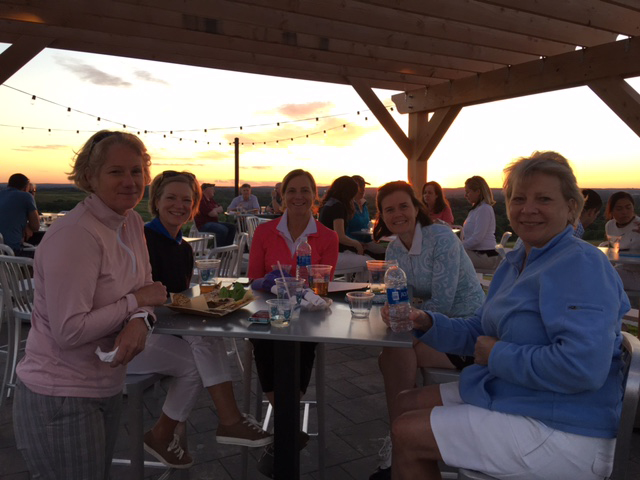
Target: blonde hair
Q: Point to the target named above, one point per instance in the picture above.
(477, 183)
(91, 157)
(170, 176)
(549, 163)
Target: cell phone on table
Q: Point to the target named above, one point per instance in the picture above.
(260, 317)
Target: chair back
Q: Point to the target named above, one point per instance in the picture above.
(17, 284)
(631, 362)
(201, 249)
(500, 247)
(6, 250)
(230, 256)
(252, 224)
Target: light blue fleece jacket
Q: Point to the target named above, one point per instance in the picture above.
(558, 324)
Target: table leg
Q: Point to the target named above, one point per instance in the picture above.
(287, 410)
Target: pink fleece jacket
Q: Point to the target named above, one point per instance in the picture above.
(85, 270)
(268, 246)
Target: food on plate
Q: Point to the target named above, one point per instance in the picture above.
(236, 293)
(180, 300)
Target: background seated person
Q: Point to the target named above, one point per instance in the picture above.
(245, 202)
(624, 223)
(591, 210)
(18, 214)
(543, 399)
(276, 206)
(479, 230)
(437, 204)
(361, 220)
(207, 216)
(336, 209)
(192, 361)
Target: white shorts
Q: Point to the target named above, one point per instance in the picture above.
(514, 447)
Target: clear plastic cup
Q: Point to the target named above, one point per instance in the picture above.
(377, 269)
(207, 274)
(279, 312)
(294, 291)
(319, 276)
(360, 303)
(614, 242)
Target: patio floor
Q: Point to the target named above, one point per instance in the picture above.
(356, 421)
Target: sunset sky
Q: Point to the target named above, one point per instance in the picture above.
(161, 97)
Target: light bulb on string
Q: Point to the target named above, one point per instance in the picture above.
(98, 121)
(33, 100)
(68, 112)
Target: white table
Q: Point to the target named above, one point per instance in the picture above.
(628, 257)
(330, 326)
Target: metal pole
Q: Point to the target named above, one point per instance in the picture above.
(236, 144)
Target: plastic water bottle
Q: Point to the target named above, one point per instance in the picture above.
(395, 281)
(303, 252)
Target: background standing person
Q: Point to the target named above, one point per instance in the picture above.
(207, 217)
(591, 210)
(437, 204)
(93, 291)
(440, 277)
(246, 202)
(358, 226)
(543, 399)
(192, 361)
(479, 229)
(18, 214)
(277, 241)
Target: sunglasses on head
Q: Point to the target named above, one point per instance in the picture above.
(98, 138)
(172, 173)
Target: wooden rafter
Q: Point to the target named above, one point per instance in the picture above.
(621, 98)
(562, 71)
(19, 54)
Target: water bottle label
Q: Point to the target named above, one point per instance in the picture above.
(304, 260)
(397, 295)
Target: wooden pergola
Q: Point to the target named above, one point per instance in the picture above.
(440, 55)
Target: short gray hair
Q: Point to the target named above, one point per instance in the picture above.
(549, 163)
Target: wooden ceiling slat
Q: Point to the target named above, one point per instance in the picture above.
(590, 13)
(562, 71)
(506, 19)
(293, 23)
(628, 4)
(394, 20)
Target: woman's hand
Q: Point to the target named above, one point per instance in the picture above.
(484, 345)
(359, 248)
(130, 341)
(149, 295)
(421, 319)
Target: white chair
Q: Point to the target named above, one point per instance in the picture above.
(631, 357)
(201, 249)
(252, 223)
(17, 289)
(230, 257)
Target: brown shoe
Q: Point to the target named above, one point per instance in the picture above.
(172, 455)
(246, 432)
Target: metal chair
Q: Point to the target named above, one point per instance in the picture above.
(501, 249)
(17, 290)
(631, 358)
(202, 249)
(320, 403)
(230, 257)
(134, 388)
(252, 224)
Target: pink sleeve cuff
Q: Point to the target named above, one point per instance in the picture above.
(132, 303)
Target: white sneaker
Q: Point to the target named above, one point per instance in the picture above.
(385, 453)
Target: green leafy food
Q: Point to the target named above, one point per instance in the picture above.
(236, 293)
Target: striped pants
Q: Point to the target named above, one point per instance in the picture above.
(67, 438)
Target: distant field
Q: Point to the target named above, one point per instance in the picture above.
(56, 199)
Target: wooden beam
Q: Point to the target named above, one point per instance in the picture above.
(554, 73)
(425, 135)
(19, 54)
(621, 98)
(436, 129)
(384, 117)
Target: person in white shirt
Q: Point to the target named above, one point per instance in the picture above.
(479, 229)
(624, 223)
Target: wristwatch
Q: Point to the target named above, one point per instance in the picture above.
(148, 321)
